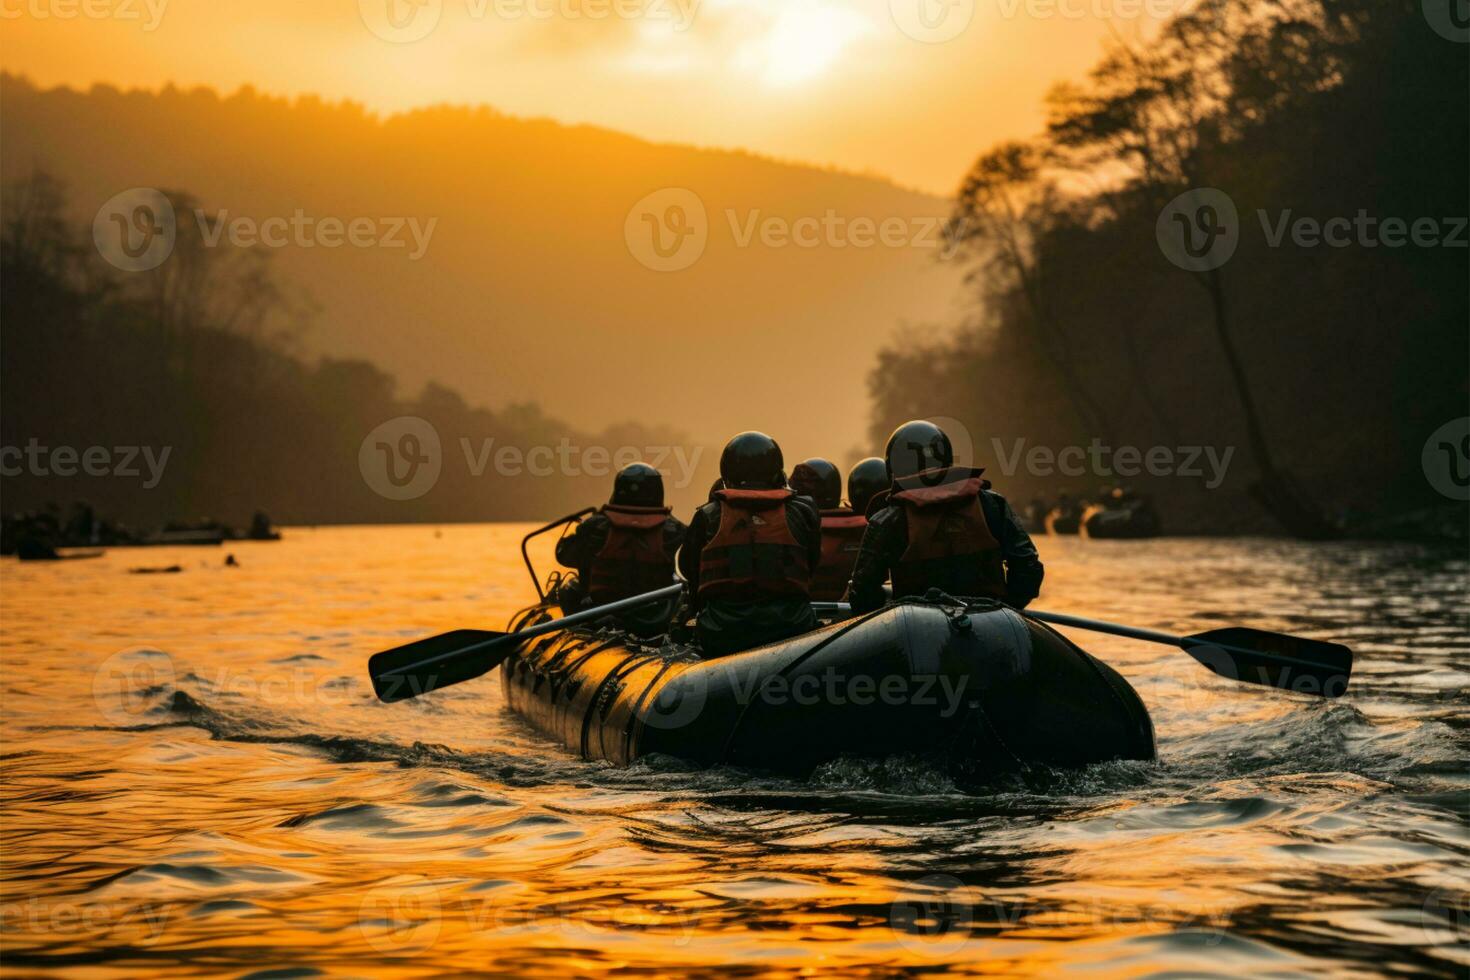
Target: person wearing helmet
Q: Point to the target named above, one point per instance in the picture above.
(625, 549)
(750, 552)
(842, 527)
(939, 525)
(864, 482)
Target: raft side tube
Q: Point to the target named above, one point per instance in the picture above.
(987, 685)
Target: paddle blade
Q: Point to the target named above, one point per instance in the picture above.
(1291, 663)
(438, 661)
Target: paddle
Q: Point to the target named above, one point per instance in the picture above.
(1280, 660)
(460, 655)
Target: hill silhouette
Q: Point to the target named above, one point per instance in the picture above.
(527, 288)
(173, 393)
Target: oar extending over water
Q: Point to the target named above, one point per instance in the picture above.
(1291, 663)
(460, 655)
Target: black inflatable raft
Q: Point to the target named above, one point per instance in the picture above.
(983, 685)
(1133, 521)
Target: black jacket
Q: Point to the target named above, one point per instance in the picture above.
(887, 538)
(577, 549)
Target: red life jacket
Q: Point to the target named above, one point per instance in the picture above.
(842, 533)
(633, 560)
(753, 554)
(950, 544)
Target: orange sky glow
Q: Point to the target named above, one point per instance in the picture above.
(909, 89)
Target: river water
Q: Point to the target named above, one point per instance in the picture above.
(197, 780)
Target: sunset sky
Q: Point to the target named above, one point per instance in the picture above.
(910, 89)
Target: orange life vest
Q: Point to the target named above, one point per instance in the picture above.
(950, 544)
(842, 534)
(633, 560)
(753, 554)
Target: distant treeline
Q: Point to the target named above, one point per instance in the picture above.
(175, 393)
(1326, 357)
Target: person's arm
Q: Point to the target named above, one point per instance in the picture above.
(875, 557)
(571, 549)
(808, 529)
(674, 535)
(689, 551)
(1024, 570)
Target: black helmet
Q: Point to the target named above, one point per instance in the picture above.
(917, 446)
(752, 461)
(638, 485)
(818, 479)
(866, 479)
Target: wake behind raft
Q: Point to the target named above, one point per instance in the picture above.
(978, 684)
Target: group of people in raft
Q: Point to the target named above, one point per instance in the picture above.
(763, 549)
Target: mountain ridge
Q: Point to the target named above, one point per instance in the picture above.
(530, 286)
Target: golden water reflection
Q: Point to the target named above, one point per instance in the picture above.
(197, 780)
